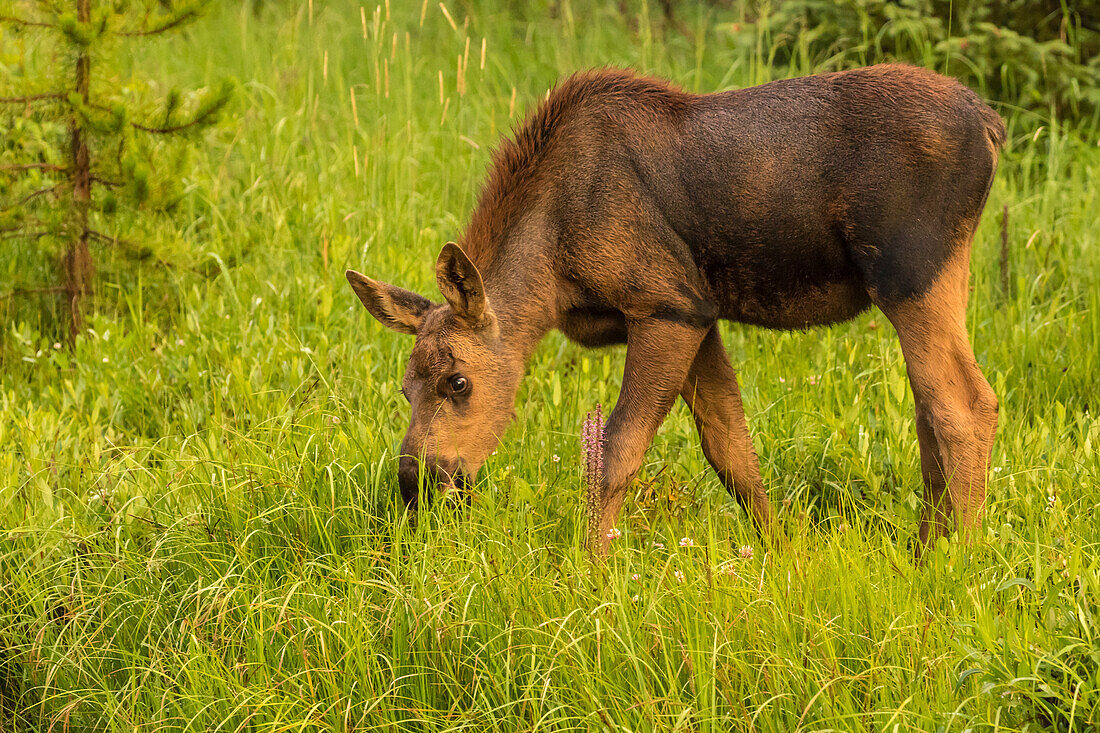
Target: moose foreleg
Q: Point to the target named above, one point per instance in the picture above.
(659, 354)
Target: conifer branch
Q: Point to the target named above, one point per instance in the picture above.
(33, 166)
(108, 239)
(199, 120)
(23, 21)
(54, 290)
(167, 130)
(22, 226)
(35, 194)
(134, 247)
(185, 17)
(16, 233)
(32, 98)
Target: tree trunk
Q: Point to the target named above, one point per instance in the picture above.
(79, 272)
(78, 267)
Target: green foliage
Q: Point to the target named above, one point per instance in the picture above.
(199, 520)
(1033, 54)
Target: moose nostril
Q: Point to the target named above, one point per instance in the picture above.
(416, 479)
(408, 479)
(449, 472)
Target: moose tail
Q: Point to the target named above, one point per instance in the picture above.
(994, 127)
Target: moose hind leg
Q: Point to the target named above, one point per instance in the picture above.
(956, 407)
(936, 516)
(715, 401)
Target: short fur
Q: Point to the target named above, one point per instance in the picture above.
(627, 210)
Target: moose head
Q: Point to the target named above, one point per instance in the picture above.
(461, 378)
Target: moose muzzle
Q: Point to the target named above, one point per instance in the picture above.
(439, 475)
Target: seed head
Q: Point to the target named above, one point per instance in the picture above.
(592, 445)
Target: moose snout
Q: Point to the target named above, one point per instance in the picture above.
(408, 478)
(436, 473)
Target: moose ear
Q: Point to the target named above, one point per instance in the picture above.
(396, 308)
(461, 284)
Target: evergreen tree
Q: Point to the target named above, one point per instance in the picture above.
(75, 148)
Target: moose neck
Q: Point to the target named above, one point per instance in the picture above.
(519, 285)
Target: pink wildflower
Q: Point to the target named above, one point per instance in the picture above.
(592, 444)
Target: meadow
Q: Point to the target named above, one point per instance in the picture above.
(200, 527)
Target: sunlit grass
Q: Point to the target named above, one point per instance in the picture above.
(201, 527)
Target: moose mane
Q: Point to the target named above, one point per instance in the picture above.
(514, 170)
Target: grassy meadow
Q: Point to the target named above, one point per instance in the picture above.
(200, 527)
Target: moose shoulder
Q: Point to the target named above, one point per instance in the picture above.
(628, 211)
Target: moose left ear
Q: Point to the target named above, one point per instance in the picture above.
(461, 284)
(393, 307)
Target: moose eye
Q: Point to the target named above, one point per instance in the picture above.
(458, 384)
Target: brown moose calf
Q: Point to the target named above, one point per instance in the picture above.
(628, 211)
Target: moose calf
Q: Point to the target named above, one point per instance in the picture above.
(628, 211)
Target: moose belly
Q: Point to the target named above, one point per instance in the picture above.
(779, 286)
(813, 305)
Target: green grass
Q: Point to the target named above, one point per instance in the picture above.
(201, 526)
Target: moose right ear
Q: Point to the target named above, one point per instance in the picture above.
(393, 307)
